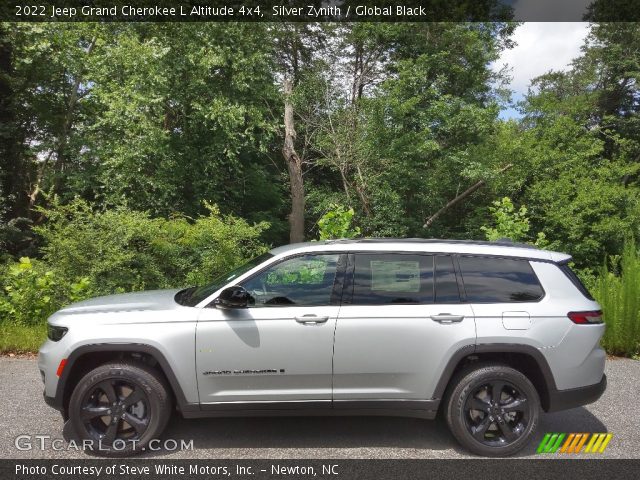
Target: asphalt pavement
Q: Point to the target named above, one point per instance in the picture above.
(23, 412)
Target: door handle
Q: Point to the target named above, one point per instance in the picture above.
(447, 318)
(311, 319)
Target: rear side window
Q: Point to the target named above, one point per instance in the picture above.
(566, 269)
(382, 279)
(499, 280)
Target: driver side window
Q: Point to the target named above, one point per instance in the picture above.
(301, 281)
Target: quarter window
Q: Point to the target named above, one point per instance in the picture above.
(303, 280)
(499, 280)
(381, 279)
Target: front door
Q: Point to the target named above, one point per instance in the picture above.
(281, 347)
(398, 329)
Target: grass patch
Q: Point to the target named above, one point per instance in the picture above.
(21, 338)
(618, 292)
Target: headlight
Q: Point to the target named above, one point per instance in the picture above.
(55, 333)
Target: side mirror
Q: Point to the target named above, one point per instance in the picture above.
(233, 297)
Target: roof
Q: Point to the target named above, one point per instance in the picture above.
(502, 247)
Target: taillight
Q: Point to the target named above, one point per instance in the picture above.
(586, 318)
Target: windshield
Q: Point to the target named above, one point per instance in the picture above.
(192, 296)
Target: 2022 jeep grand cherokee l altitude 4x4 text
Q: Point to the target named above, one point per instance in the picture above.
(487, 333)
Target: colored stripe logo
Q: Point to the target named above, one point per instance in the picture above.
(574, 443)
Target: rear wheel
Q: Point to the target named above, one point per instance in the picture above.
(492, 410)
(119, 408)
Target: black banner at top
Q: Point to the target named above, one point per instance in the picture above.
(319, 11)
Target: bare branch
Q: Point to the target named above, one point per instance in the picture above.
(460, 197)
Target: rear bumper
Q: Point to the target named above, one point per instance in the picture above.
(576, 397)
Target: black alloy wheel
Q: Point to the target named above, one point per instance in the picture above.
(492, 409)
(115, 409)
(120, 407)
(497, 413)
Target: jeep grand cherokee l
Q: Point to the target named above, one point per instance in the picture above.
(487, 333)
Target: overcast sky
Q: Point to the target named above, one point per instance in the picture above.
(540, 47)
(542, 10)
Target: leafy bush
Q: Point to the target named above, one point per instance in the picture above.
(124, 250)
(32, 292)
(512, 224)
(337, 223)
(618, 292)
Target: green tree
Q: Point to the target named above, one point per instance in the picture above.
(397, 126)
(184, 116)
(157, 117)
(577, 154)
(427, 123)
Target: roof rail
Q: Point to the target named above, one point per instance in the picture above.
(502, 242)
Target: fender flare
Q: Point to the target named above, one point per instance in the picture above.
(58, 400)
(480, 348)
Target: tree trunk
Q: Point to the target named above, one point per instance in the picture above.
(361, 189)
(356, 84)
(294, 164)
(345, 184)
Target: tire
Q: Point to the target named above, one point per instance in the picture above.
(107, 398)
(490, 426)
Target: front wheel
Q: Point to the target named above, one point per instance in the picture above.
(492, 410)
(119, 408)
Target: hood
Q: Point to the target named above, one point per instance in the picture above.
(151, 300)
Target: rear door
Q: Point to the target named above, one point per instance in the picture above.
(508, 301)
(504, 294)
(400, 321)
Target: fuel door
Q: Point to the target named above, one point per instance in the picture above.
(516, 320)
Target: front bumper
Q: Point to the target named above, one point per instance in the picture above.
(49, 358)
(576, 397)
(51, 401)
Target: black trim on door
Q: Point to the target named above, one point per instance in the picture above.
(264, 405)
(399, 408)
(456, 273)
(338, 283)
(461, 290)
(347, 292)
(389, 404)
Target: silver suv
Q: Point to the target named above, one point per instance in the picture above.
(486, 333)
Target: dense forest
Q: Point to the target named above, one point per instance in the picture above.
(165, 136)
